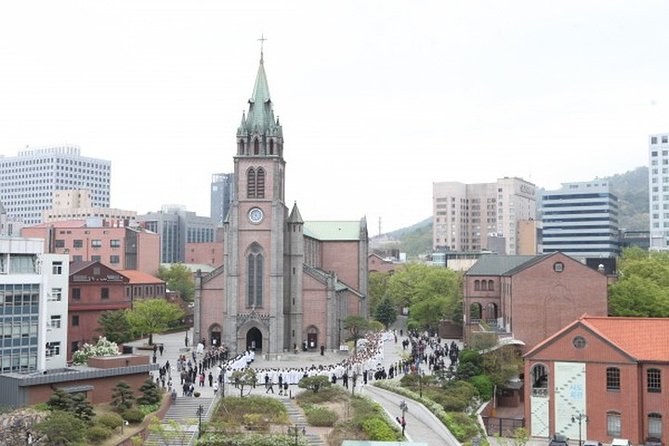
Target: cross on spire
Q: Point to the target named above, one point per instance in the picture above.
(262, 44)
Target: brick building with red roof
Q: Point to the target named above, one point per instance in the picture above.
(613, 370)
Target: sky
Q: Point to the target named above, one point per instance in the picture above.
(378, 99)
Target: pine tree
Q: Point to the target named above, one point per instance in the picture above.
(81, 408)
(60, 400)
(122, 396)
(151, 393)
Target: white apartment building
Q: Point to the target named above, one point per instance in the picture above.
(28, 180)
(658, 187)
(474, 217)
(33, 306)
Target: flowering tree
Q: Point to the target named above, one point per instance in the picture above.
(102, 348)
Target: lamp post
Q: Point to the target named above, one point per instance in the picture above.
(581, 418)
(200, 412)
(420, 382)
(295, 432)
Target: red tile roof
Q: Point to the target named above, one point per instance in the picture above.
(139, 277)
(646, 339)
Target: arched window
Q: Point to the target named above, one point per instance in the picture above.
(539, 380)
(251, 183)
(260, 183)
(475, 311)
(654, 425)
(241, 147)
(271, 147)
(491, 285)
(484, 285)
(477, 285)
(256, 147)
(613, 379)
(255, 262)
(613, 424)
(654, 380)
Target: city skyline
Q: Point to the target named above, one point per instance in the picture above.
(388, 98)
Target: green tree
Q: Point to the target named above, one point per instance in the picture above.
(150, 393)
(314, 383)
(151, 316)
(356, 325)
(386, 312)
(179, 278)
(62, 429)
(60, 400)
(122, 396)
(244, 378)
(82, 408)
(377, 284)
(502, 364)
(115, 327)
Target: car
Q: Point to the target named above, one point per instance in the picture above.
(592, 443)
(559, 440)
(621, 442)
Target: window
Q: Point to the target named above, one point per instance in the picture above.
(251, 183)
(78, 243)
(56, 295)
(484, 285)
(613, 424)
(60, 243)
(104, 293)
(654, 380)
(260, 185)
(254, 277)
(477, 285)
(579, 342)
(114, 260)
(96, 243)
(95, 258)
(664, 139)
(75, 346)
(57, 268)
(491, 285)
(654, 425)
(653, 140)
(55, 321)
(77, 259)
(52, 349)
(558, 267)
(256, 147)
(75, 320)
(115, 243)
(613, 379)
(76, 293)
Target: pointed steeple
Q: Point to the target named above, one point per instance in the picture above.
(260, 118)
(295, 216)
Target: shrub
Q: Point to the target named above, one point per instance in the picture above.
(483, 386)
(236, 408)
(109, 420)
(133, 415)
(196, 394)
(98, 433)
(148, 408)
(256, 422)
(409, 380)
(122, 396)
(472, 356)
(320, 416)
(332, 393)
(151, 393)
(462, 426)
(314, 383)
(378, 430)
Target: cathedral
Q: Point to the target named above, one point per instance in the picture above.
(285, 283)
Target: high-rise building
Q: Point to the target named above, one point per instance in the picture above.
(33, 306)
(28, 181)
(222, 185)
(478, 217)
(76, 204)
(177, 228)
(581, 220)
(658, 187)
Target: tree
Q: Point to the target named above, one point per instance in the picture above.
(502, 364)
(151, 393)
(179, 278)
(151, 316)
(60, 400)
(377, 284)
(115, 327)
(244, 378)
(356, 325)
(386, 312)
(82, 408)
(62, 429)
(122, 396)
(314, 383)
(101, 348)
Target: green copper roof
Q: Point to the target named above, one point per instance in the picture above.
(496, 265)
(332, 230)
(260, 117)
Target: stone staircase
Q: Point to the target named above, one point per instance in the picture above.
(184, 412)
(297, 419)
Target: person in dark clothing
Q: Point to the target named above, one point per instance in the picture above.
(161, 348)
(211, 379)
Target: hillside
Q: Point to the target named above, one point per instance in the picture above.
(631, 188)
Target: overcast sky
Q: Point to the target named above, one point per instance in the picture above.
(378, 100)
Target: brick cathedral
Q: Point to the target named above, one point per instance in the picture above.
(285, 283)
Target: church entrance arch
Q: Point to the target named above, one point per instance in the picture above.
(312, 337)
(254, 339)
(215, 335)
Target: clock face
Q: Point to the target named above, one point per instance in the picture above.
(255, 215)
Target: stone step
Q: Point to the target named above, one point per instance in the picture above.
(178, 440)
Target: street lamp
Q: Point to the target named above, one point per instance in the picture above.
(200, 412)
(420, 382)
(295, 432)
(581, 418)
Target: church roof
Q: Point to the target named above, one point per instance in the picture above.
(260, 118)
(497, 265)
(295, 216)
(332, 230)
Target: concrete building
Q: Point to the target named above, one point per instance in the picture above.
(285, 283)
(76, 204)
(28, 181)
(33, 306)
(658, 187)
(581, 220)
(177, 228)
(99, 240)
(476, 217)
(610, 369)
(222, 191)
(529, 298)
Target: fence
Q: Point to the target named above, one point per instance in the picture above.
(503, 427)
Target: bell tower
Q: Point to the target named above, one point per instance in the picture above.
(255, 230)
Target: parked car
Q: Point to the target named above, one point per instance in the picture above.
(592, 443)
(621, 442)
(559, 440)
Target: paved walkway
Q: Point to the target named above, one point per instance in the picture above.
(422, 426)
